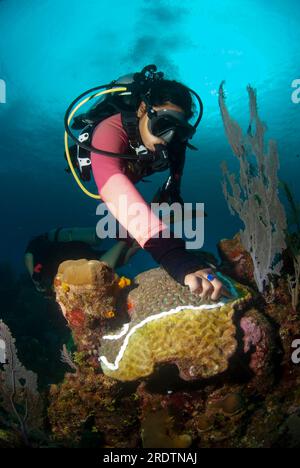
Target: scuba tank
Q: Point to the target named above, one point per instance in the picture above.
(126, 101)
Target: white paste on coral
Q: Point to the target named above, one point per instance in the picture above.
(114, 366)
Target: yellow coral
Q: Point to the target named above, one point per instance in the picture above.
(65, 287)
(124, 282)
(109, 314)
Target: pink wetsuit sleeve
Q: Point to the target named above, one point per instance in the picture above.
(115, 188)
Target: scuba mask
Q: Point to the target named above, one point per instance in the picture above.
(169, 124)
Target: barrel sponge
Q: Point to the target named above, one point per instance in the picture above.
(87, 285)
(84, 272)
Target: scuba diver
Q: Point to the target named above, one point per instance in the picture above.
(45, 252)
(142, 127)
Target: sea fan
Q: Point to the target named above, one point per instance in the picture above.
(19, 396)
(254, 194)
(67, 359)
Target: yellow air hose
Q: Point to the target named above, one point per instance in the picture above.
(82, 187)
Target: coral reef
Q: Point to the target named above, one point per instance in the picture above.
(256, 408)
(172, 326)
(157, 431)
(91, 410)
(253, 403)
(209, 347)
(236, 261)
(10, 439)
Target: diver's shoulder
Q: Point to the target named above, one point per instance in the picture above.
(112, 122)
(108, 130)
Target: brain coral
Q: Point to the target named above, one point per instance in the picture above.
(169, 324)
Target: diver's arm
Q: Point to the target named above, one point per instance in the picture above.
(131, 210)
(146, 228)
(115, 188)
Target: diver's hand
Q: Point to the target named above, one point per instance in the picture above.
(151, 141)
(198, 283)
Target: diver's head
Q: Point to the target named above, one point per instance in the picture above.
(164, 113)
(148, 137)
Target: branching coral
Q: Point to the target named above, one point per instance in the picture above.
(19, 396)
(66, 358)
(255, 196)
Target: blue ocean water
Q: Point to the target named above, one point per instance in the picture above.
(52, 50)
